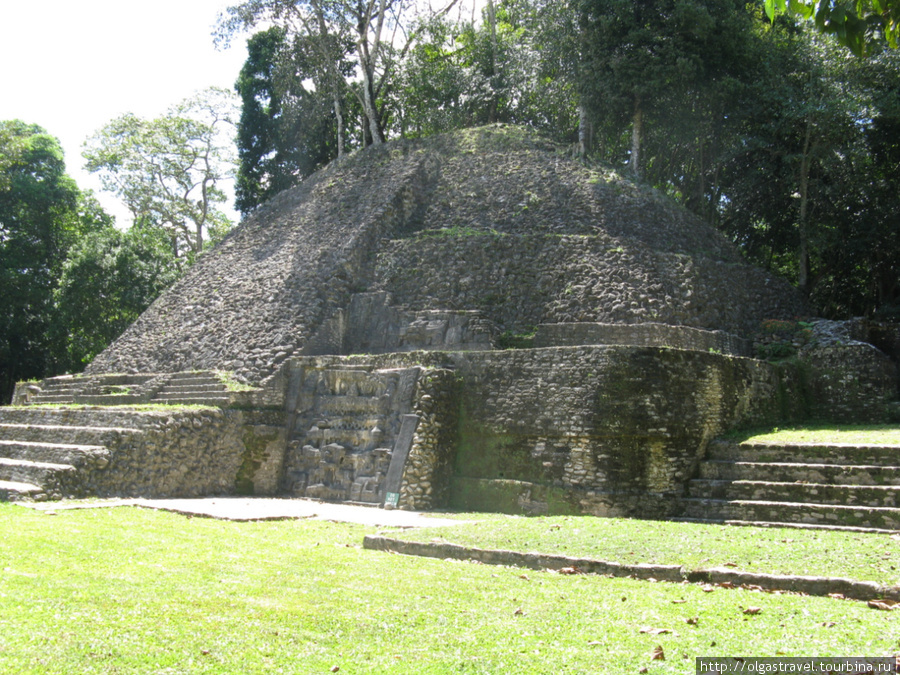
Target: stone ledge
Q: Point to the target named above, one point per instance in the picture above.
(820, 586)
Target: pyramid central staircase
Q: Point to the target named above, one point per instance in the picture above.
(841, 486)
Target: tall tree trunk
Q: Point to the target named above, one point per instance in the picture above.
(339, 118)
(803, 223)
(492, 19)
(584, 131)
(637, 130)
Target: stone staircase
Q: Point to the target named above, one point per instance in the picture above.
(44, 453)
(839, 486)
(193, 388)
(343, 433)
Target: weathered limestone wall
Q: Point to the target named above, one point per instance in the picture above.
(521, 281)
(178, 453)
(640, 335)
(599, 430)
(429, 468)
(851, 383)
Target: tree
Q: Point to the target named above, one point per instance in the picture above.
(167, 170)
(108, 279)
(645, 61)
(42, 212)
(374, 34)
(800, 135)
(461, 74)
(860, 25)
(286, 129)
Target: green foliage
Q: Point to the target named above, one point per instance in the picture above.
(860, 25)
(462, 74)
(286, 131)
(510, 340)
(108, 279)
(167, 170)
(42, 213)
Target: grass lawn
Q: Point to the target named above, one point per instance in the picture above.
(866, 557)
(126, 590)
(865, 434)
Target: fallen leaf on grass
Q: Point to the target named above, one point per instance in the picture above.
(837, 596)
(519, 612)
(706, 588)
(729, 564)
(679, 602)
(594, 643)
(829, 624)
(886, 605)
(645, 669)
(569, 570)
(525, 577)
(753, 610)
(655, 631)
(658, 654)
(335, 669)
(693, 621)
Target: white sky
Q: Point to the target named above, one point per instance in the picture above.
(73, 65)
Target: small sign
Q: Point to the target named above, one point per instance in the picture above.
(391, 498)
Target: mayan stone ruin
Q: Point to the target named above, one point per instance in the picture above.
(471, 321)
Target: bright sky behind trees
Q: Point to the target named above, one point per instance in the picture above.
(73, 66)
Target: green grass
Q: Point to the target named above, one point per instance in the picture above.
(874, 434)
(126, 590)
(865, 557)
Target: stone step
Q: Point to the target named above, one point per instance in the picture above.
(96, 456)
(789, 512)
(59, 433)
(340, 382)
(360, 439)
(166, 395)
(798, 526)
(807, 453)
(784, 472)
(817, 493)
(53, 398)
(79, 417)
(193, 388)
(193, 378)
(61, 388)
(352, 405)
(221, 401)
(45, 474)
(13, 491)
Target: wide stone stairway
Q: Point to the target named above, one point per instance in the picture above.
(344, 432)
(44, 453)
(843, 486)
(194, 388)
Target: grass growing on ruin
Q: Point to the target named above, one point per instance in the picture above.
(866, 557)
(136, 591)
(871, 434)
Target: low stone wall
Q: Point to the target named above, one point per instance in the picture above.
(851, 383)
(640, 335)
(182, 452)
(592, 429)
